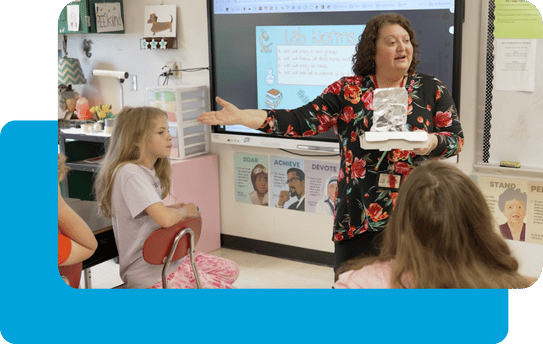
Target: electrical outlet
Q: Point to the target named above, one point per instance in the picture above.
(174, 67)
(177, 68)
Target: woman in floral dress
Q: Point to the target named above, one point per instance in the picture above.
(386, 56)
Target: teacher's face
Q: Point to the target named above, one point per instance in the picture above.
(514, 211)
(393, 50)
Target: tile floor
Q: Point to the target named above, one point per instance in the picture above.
(255, 272)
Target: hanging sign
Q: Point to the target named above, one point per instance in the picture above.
(108, 17)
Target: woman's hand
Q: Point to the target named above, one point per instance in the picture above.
(432, 144)
(231, 115)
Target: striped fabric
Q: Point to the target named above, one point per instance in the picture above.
(70, 72)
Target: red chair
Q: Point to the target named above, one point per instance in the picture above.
(166, 245)
(72, 273)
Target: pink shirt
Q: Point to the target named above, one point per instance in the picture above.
(374, 276)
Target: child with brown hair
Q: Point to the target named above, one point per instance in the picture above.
(441, 234)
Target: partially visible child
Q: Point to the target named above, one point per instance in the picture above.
(76, 242)
(133, 180)
(441, 234)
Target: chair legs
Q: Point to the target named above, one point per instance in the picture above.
(191, 255)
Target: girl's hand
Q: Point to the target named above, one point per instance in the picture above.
(190, 210)
(432, 144)
(231, 115)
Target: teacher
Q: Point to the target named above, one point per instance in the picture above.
(386, 56)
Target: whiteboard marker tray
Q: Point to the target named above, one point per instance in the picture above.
(384, 141)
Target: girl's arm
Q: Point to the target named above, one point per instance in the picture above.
(166, 216)
(72, 226)
(77, 253)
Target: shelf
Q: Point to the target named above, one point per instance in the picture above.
(82, 151)
(82, 166)
(77, 134)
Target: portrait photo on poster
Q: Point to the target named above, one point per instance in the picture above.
(287, 183)
(517, 206)
(321, 184)
(251, 178)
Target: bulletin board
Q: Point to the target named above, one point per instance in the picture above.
(512, 128)
(81, 16)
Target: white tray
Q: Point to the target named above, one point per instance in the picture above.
(384, 141)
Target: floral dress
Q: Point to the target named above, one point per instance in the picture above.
(347, 106)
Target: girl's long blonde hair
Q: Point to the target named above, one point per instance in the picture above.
(132, 128)
(441, 234)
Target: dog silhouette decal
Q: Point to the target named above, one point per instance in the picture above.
(159, 26)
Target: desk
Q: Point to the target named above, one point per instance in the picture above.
(103, 231)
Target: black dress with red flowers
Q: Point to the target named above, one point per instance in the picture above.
(347, 106)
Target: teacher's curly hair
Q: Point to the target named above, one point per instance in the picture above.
(364, 57)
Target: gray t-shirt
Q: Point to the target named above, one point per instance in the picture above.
(135, 188)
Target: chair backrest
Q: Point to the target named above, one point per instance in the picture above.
(72, 273)
(158, 244)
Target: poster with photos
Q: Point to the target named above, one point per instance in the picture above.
(517, 206)
(321, 186)
(287, 183)
(251, 174)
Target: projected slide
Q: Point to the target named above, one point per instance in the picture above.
(296, 63)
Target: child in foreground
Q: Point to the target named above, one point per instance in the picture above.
(441, 234)
(133, 180)
(76, 242)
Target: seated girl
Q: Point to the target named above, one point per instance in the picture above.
(133, 180)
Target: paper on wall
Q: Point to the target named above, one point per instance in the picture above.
(514, 68)
(72, 12)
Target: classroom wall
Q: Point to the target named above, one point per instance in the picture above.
(312, 231)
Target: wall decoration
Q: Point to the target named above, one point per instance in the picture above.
(321, 186)
(287, 183)
(517, 206)
(251, 178)
(160, 27)
(108, 17)
(160, 21)
(73, 17)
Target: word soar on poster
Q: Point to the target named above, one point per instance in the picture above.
(108, 17)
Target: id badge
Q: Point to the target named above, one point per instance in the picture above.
(389, 180)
